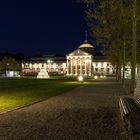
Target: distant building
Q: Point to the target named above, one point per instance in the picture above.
(52, 63)
(82, 61)
(10, 73)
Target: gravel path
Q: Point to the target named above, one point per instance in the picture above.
(86, 113)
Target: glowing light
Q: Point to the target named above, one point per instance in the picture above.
(95, 77)
(50, 61)
(80, 78)
(11, 74)
(54, 66)
(104, 64)
(64, 65)
(101, 76)
(104, 76)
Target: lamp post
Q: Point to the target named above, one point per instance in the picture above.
(80, 78)
(49, 63)
(7, 64)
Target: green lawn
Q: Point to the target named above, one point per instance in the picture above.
(18, 92)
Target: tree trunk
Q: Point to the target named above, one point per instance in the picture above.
(123, 78)
(133, 61)
(119, 77)
(117, 72)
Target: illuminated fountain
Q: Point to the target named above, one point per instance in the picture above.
(43, 74)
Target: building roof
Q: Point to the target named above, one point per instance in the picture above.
(86, 45)
(45, 59)
(79, 52)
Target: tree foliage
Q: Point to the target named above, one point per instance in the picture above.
(9, 63)
(114, 25)
(110, 24)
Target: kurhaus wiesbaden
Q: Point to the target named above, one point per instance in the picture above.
(82, 61)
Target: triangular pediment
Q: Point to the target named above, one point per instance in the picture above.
(79, 52)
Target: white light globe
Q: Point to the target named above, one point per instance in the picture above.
(95, 77)
(80, 78)
(101, 76)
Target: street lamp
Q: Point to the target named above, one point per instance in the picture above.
(7, 64)
(80, 78)
(49, 62)
(95, 77)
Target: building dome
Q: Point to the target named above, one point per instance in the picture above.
(85, 45)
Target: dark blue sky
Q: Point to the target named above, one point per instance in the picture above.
(53, 26)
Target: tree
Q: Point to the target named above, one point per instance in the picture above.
(9, 63)
(105, 21)
(134, 40)
(113, 24)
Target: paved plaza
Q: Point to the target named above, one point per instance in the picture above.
(87, 113)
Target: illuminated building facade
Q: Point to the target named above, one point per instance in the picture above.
(82, 61)
(53, 64)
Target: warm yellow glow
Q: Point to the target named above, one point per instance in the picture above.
(95, 77)
(104, 76)
(99, 65)
(87, 60)
(50, 61)
(80, 78)
(54, 66)
(105, 64)
(101, 76)
(64, 66)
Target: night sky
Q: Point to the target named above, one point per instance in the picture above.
(51, 26)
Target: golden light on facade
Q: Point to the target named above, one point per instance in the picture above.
(54, 66)
(64, 65)
(99, 65)
(87, 60)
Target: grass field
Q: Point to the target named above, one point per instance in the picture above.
(18, 92)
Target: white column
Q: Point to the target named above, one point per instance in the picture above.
(90, 68)
(76, 67)
(67, 66)
(93, 69)
(30, 67)
(110, 70)
(85, 68)
(71, 67)
(81, 67)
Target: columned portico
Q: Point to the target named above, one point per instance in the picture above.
(79, 63)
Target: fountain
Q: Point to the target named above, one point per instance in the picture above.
(43, 74)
